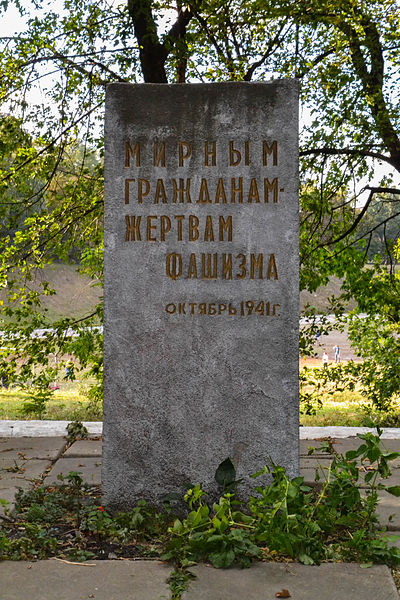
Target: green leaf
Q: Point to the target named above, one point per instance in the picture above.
(305, 558)
(222, 560)
(225, 473)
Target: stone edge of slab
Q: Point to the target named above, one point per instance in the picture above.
(56, 428)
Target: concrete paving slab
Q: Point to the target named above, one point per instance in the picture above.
(18, 474)
(306, 444)
(313, 462)
(104, 580)
(388, 511)
(85, 448)
(343, 445)
(8, 494)
(264, 580)
(89, 467)
(32, 447)
(28, 470)
(395, 537)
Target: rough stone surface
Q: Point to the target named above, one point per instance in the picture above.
(89, 467)
(264, 580)
(194, 372)
(104, 580)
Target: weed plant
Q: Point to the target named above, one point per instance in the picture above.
(333, 520)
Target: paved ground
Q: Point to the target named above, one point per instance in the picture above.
(25, 459)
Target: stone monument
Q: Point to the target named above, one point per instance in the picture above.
(201, 285)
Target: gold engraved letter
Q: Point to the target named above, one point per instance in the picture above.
(204, 196)
(209, 231)
(270, 149)
(127, 189)
(144, 189)
(160, 192)
(192, 270)
(242, 266)
(234, 155)
(272, 272)
(134, 152)
(179, 218)
(203, 308)
(271, 187)
(237, 189)
(253, 191)
(210, 154)
(227, 266)
(174, 265)
(150, 228)
(256, 264)
(247, 153)
(193, 228)
(220, 193)
(185, 151)
(275, 310)
(209, 266)
(165, 226)
(232, 310)
(182, 189)
(225, 225)
(132, 228)
(159, 154)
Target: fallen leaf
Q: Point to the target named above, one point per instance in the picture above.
(283, 594)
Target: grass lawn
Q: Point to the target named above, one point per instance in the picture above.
(341, 409)
(67, 404)
(70, 403)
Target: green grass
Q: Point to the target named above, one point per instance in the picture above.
(348, 409)
(67, 404)
(70, 403)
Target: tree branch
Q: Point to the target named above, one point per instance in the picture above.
(276, 42)
(349, 152)
(153, 54)
(373, 190)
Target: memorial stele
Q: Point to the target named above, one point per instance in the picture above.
(201, 286)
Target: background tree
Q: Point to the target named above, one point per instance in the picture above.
(344, 52)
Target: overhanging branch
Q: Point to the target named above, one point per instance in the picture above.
(347, 152)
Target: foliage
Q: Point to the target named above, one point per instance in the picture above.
(376, 377)
(63, 405)
(288, 518)
(331, 521)
(76, 431)
(35, 404)
(54, 75)
(317, 383)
